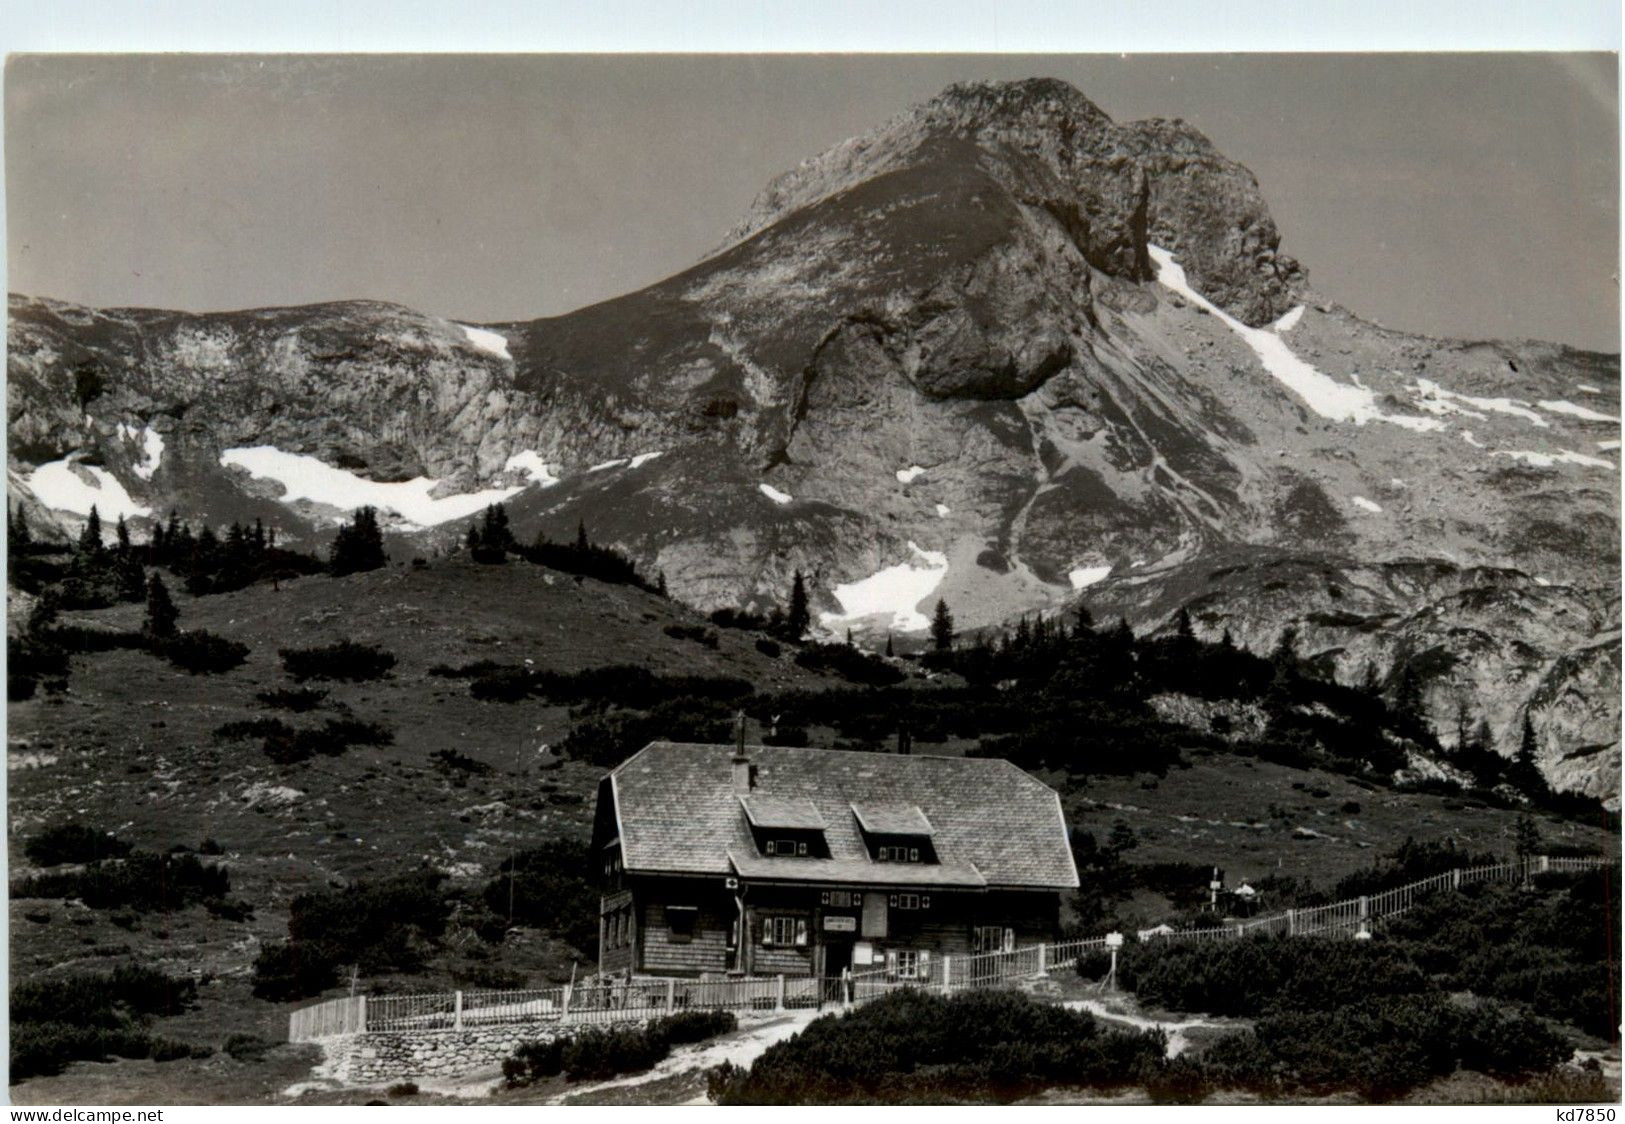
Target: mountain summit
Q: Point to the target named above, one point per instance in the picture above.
(1001, 350)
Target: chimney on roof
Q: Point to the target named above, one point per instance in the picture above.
(744, 773)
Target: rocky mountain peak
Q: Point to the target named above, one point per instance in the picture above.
(1115, 188)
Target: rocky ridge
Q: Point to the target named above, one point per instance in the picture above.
(962, 343)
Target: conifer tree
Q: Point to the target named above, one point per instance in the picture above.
(799, 618)
(123, 533)
(942, 627)
(17, 533)
(889, 651)
(90, 539)
(1182, 628)
(358, 546)
(161, 613)
(582, 542)
(1526, 837)
(1525, 771)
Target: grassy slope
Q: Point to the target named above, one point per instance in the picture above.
(130, 747)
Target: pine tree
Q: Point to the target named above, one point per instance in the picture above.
(161, 613)
(1182, 628)
(660, 583)
(1526, 836)
(799, 619)
(582, 542)
(358, 545)
(942, 627)
(123, 534)
(1086, 620)
(17, 533)
(90, 539)
(1408, 702)
(1525, 771)
(1464, 724)
(132, 579)
(889, 651)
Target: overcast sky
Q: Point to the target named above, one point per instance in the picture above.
(1461, 195)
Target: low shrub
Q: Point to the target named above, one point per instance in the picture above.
(90, 1016)
(345, 661)
(202, 653)
(331, 739)
(601, 1052)
(379, 927)
(769, 648)
(851, 664)
(403, 1089)
(913, 1047)
(73, 843)
(697, 633)
(246, 1047)
(455, 761)
(141, 881)
(296, 699)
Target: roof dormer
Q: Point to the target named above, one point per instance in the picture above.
(785, 827)
(896, 833)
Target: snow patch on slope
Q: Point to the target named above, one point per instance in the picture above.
(1085, 576)
(152, 448)
(488, 341)
(774, 494)
(1606, 446)
(1435, 399)
(1289, 320)
(62, 486)
(1324, 395)
(909, 474)
(896, 590)
(1587, 388)
(608, 464)
(531, 464)
(305, 477)
(1368, 505)
(942, 511)
(1547, 460)
(1467, 436)
(1569, 408)
(644, 458)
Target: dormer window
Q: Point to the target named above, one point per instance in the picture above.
(785, 827)
(896, 833)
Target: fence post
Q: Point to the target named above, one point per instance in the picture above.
(778, 997)
(671, 996)
(361, 1013)
(1365, 907)
(947, 974)
(457, 1010)
(1455, 878)
(1545, 863)
(1291, 922)
(564, 1004)
(1043, 959)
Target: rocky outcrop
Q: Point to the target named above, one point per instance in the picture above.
(949, 338)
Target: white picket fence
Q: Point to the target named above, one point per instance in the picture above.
(625, 1000)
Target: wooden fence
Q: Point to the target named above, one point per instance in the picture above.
(618, 1000)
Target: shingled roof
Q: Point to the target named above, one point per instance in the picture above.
(991, 823)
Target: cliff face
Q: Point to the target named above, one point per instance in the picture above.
(1000, 350)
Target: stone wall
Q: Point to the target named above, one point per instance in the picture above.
(381, 1057)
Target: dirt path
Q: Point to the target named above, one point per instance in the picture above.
(741, 1048)
(1119, 1011)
